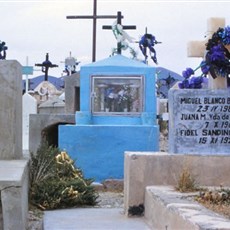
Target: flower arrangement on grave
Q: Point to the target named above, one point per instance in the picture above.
(123, 39)
(125, 98)
(216, 61)
(120, 98)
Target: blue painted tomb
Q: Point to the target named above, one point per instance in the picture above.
(117, 114)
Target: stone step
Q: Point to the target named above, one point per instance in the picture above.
(166, 208)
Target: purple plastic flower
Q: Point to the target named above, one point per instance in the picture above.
(196, 82)
(187, 73)
(217, 53)
(204, 67)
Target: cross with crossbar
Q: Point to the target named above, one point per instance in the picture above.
(46, 65)
(119, 17)
(94, 17)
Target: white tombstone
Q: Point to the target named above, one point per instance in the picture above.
(197, 49)
(29, 105)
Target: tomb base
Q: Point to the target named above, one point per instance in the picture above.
(99, 149)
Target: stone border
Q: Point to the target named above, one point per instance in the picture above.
(166, 208)
(144, 169)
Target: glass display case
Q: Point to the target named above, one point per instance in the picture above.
(117, 94)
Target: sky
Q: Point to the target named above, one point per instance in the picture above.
(33, 28)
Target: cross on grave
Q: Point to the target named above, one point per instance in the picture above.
(70, 65)
(46, 65)
(198, 48)
(27, 70)
(119, 17)
(94, 17)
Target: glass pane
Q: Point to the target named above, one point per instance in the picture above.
(117, 94)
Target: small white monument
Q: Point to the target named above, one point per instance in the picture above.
(29, 105)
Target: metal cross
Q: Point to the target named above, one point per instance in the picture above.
(94, 17)
(119, 17)
(46, 65)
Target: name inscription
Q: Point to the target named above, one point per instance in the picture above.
(204, 119)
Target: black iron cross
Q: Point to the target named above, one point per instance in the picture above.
(94, 17)
(46, 65)
(119, 17)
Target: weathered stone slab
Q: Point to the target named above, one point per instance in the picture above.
(14, 193)
(72, 93)
(199, 121)
(10, 110)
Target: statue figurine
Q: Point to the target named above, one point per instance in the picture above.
(3, 49)
(148, 41)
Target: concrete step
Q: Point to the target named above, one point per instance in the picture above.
(92, 218)
(167, 209)
(14, 193)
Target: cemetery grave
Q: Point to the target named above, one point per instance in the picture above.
(112, 132)
(198, 139)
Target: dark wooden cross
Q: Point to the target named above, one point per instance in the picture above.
(119, 17)
(46, 65)
(94, 17)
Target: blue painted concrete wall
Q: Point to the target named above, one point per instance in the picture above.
(98, 142)
(99, 150)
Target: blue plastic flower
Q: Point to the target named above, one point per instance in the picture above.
(225, 35)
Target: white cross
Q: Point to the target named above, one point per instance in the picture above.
(198, 48)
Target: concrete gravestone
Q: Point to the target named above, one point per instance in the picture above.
(13, 169)
(199, 118)
(199, 121)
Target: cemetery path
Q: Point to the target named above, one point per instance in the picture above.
(108, 214)
(107, 200)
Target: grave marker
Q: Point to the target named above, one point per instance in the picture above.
(119, 17)
(45, 66)
(94, 17)
(29, 105)
(199, 121)
(198, 48)
(10, 110)
(13, 169)
(117, 112)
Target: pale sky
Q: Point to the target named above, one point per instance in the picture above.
(33, 28)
